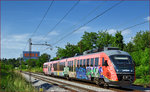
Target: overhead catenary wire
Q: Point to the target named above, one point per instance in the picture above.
(61, 20)
(134, 26)
(87, 15)
(42, 19)
(124, 28)
(40, 23)
(25, 46)
(87, 22)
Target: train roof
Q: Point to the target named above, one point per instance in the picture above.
(115, 52)
(108, 52)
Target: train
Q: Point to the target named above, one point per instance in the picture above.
(108, 67)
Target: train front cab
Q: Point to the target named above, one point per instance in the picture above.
(118, 68)
(45, 68)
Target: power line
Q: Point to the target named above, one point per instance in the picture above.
(134, 26)
(88, 22)
(61, 20)
(85, 17)
(25, 46)
(40, 22)
(125, 28)
(42, 18)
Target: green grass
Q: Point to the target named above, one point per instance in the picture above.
(35, 69)
(14, 81)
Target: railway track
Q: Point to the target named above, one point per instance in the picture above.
(76, 85)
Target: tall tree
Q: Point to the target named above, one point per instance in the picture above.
(141, 40)
(88, 41)
(104, 39)
(69, 51)
(118, 40)
(42, 59)
(129, 47)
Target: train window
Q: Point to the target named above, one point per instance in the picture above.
(92, 61)
(61, 65)
(55, 66)
(103, 63)
(68, 64)
(96, 61)
(43, 66)
(71, 65)
(78, 64)
(88, 61)
(74, 65)
(81, 63)
(84, 63)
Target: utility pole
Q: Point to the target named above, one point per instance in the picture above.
(30, 43)
(20, 63)
(30, 48)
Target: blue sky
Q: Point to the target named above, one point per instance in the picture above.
(19, 20)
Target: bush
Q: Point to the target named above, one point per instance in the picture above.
(13, 81)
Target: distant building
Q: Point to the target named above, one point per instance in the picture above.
(33, 54)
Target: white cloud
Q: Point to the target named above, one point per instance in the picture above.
(53, 33)
(18, 41)
(112, 31)
(126, 32)
(15, 41)
(147, 18)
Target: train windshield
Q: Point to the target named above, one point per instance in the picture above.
(121, 59)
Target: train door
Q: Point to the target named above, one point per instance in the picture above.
(74, 65)
(105, 68)
(49, 69)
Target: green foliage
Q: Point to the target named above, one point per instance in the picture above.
(140, 53)
(69, 51)
(12, 81)
(129, 47)
(88, 41)
(31, 62)
(104, 39)
(118, 40)
(42, 59)
(141, 40)
(37, 69)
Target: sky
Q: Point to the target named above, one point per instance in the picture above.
(19, 20)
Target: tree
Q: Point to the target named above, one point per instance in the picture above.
(88, 41)
(104, 39)
(61, 52)
(118, 40)
(31, 62)
(129, 47)
(69, 51)
(42, 59)
(141, 40)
